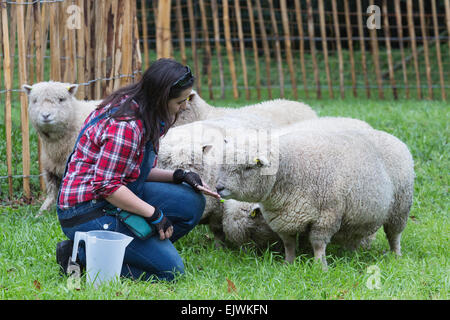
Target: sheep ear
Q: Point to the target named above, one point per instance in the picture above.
(72, 89)
(206, 148)
(261, 161)
(27, 88)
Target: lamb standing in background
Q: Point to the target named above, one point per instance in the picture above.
(339, 187)
(57, 116)
(279, 111)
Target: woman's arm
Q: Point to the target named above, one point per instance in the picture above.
(160, 175)
(125, 199)
(163, 175)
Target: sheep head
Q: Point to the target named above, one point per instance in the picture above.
(51, 108)
(249, 170)
(196, 109)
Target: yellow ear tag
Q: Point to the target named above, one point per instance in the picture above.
(253, 213)
(68, 88)
(257, 161)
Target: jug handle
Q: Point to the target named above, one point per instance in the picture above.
(78, 236)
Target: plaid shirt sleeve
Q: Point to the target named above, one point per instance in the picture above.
(119, 157)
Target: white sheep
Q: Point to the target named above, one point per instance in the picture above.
(243, 222)
(185, 146)
(279, 111)
(57, 116)
(334, 186)
(242, 225)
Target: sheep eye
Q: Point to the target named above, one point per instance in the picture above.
(62, 99)
(34, 100)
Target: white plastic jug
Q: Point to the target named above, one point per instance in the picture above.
(104, 254)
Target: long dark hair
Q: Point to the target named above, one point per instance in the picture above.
(152, 94)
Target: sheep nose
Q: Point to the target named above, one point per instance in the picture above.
(219, 187)
(45, 116)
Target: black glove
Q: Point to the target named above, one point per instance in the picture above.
(191, 178)
(159, 221)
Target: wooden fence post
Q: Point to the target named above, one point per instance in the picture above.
(362, 46)
(376, 59)
(197, 71)
(287, 43)
(412, 35)
(277, 48)
(312, 44)
(163, 29)
(339, 48)
(242, 47)
(23, 102)
(447, 20)
(350, 47)
(262, 28)
(55, 55)
(226, 25)
(299, 20)
(127, 44)
(215, 14)
(207, 48)
(7, 78)
(389, 50)
(255, 49)
(425, 47)
(145, 32)
(398, 18)
(438, 49)
(325, 46)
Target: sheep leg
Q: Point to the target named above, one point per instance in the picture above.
(393, 237)
(321, 232)
(52, 182)
(319, 248)
(289, 242)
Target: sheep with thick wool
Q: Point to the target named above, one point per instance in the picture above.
(333, 186)
(185, 146)
(57, 116)
(243, 222)
(279, 111)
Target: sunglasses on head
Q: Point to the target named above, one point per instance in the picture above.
(185, 79)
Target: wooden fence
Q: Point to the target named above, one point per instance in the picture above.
(311, 48)
(92, 43)
(257, 49)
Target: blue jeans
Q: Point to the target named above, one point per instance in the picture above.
(153, 257)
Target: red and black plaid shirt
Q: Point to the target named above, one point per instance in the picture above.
(108, 155)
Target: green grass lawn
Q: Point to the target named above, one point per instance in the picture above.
(28, 269)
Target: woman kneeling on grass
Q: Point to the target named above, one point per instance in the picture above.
(113, 168)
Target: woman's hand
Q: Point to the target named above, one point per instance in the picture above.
(194, 180)
(162, 225)
(206, 190)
